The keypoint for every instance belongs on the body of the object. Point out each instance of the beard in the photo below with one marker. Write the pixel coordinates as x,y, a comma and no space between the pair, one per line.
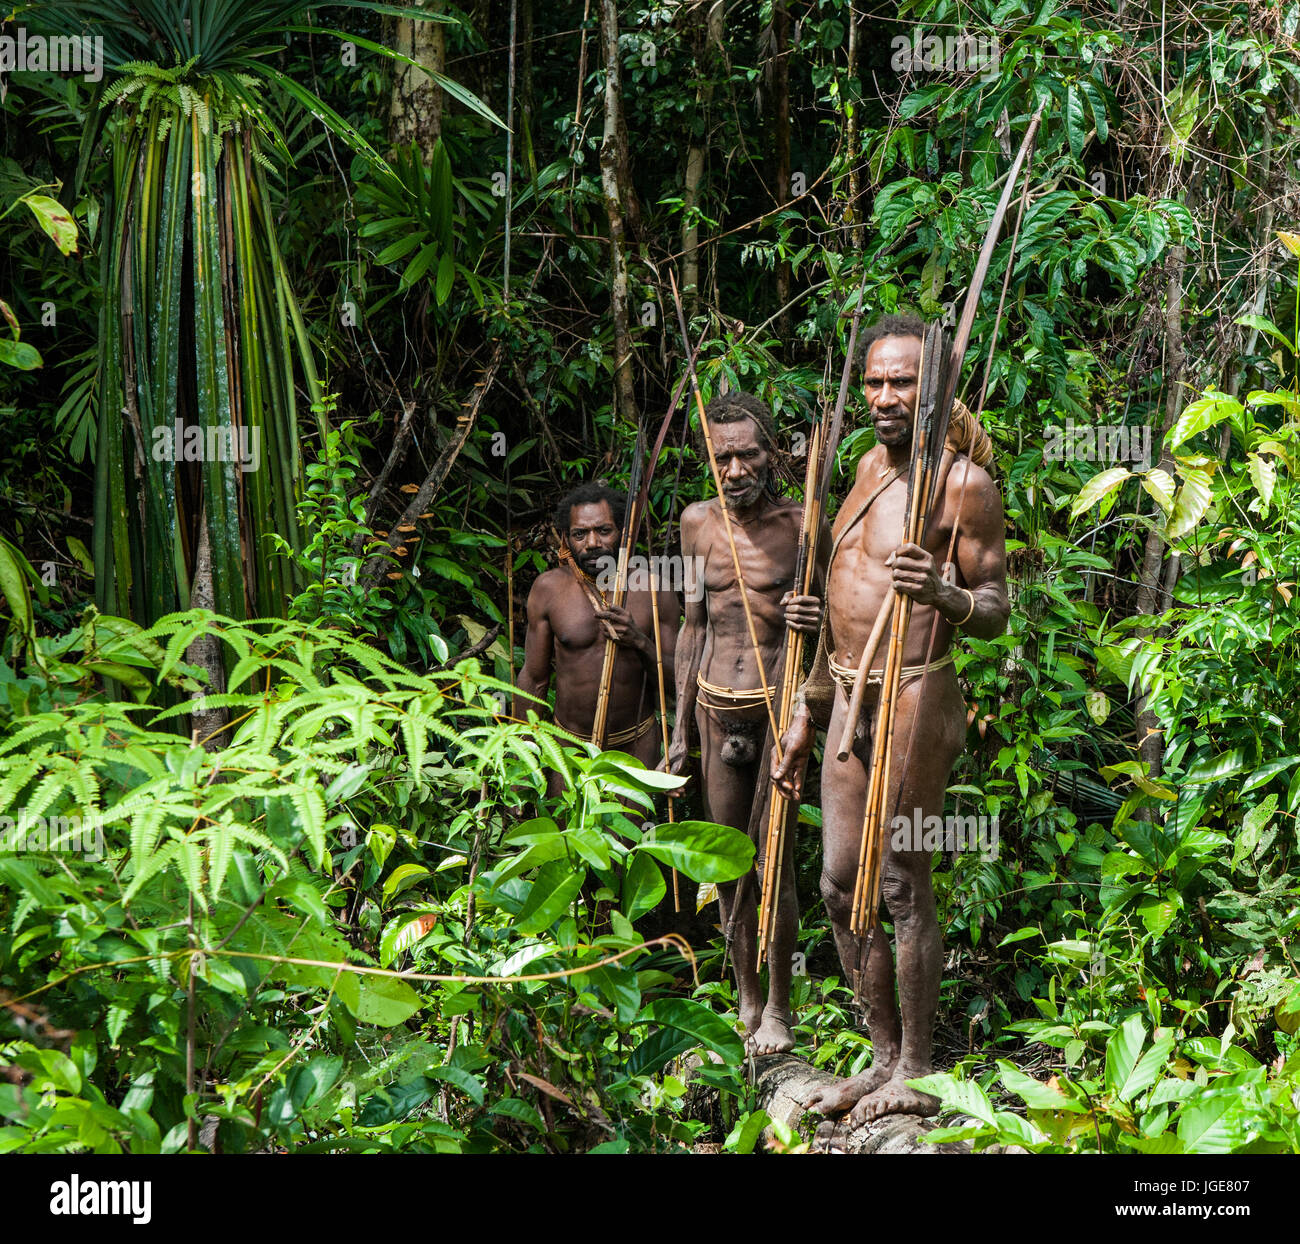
750,493
593,564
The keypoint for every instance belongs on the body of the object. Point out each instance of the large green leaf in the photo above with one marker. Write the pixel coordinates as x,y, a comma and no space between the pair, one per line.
700,849
699,1022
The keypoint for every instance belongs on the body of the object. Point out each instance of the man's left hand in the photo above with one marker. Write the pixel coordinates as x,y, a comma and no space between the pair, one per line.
802,613
622,630
916,575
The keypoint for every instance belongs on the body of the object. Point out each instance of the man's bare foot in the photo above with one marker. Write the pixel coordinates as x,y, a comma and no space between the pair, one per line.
833,1099
894,1097
771,1037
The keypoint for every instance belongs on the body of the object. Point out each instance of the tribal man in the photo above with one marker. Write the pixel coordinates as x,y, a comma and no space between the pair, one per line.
867,562
720,681
569,619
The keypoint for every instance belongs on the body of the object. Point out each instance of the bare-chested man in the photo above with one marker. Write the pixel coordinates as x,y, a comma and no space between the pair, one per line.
569,619
866,566
719,680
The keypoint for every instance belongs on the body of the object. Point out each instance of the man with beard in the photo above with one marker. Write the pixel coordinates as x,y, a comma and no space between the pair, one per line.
569,618
720,681
866,564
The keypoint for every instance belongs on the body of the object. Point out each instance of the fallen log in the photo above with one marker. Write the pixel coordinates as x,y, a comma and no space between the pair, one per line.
786,1083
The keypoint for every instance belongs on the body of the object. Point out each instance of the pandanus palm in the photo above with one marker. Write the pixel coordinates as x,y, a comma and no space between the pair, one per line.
203,347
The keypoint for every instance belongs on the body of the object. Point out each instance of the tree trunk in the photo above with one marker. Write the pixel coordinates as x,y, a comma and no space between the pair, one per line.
781,145
620,207
1150,598
784,1084
851,97
205,651
416,105
710,37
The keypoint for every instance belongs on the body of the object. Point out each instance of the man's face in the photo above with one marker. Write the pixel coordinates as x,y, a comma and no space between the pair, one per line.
593,535
889,380
742,462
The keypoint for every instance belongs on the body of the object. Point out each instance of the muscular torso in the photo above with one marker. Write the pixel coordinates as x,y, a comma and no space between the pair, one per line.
767,549
579,654
860,582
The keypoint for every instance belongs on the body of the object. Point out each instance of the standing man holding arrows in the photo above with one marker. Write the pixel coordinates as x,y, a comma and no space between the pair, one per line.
728,665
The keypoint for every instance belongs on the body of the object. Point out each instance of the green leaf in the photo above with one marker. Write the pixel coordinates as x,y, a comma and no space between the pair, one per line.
402,878
519,1110
1097,487
1263,474
458,1077
20,355
1160,485
643,887
963,1095
386,1001
1203,1126
1122,1050
55,219
1203,413
749,1127
1034,1093
702,850
556,885
699,1022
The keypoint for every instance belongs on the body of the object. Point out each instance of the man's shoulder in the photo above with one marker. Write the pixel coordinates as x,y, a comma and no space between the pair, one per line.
968,474
697,512
548,583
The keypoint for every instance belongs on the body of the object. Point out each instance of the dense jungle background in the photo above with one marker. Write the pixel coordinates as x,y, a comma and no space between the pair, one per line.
422,259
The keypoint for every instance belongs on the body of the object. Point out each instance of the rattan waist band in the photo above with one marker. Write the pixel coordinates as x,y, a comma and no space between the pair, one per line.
630,735
729,699
846,675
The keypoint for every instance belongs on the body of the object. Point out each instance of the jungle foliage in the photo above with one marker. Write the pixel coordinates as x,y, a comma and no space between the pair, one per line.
338,925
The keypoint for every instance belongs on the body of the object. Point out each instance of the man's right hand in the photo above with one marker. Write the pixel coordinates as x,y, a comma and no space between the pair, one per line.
679,756
796,746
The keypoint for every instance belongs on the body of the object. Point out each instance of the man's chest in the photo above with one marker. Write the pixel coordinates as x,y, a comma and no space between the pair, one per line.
767,560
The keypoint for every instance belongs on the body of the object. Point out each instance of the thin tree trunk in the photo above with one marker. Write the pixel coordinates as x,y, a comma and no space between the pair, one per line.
377,564
710,38
620,208
851,136
416,105
205,651
781,142
1150,741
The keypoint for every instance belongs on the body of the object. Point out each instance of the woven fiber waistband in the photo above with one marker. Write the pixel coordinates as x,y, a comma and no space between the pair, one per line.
728,698
630,735
846,675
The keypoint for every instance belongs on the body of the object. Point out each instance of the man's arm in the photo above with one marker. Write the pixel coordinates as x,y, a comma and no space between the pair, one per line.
670,625
539,651
688,654
981,558
982,608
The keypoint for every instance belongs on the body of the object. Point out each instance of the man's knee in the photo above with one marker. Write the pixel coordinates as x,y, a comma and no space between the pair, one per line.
907,896
838,899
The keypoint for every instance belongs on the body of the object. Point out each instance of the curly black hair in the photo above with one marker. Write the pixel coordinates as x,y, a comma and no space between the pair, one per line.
732,408
588,494
901,324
